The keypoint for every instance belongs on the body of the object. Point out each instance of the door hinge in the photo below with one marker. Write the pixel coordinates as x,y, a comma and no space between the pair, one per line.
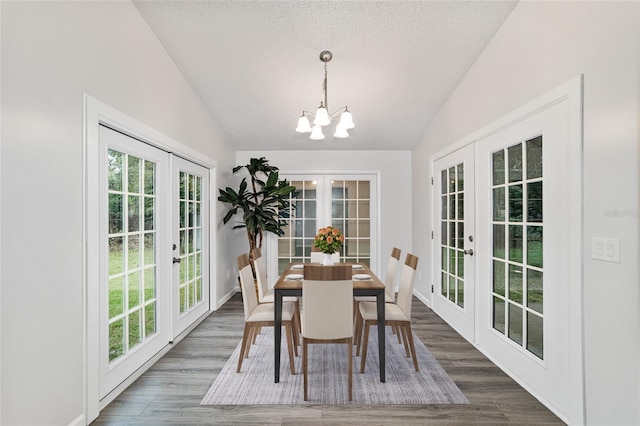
432,235
431,288
432,181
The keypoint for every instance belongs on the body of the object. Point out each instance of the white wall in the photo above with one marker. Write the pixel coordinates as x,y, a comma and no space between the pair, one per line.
51,53
540,46
395,185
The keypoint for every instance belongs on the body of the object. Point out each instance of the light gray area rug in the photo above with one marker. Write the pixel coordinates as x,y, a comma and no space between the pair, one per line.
328,377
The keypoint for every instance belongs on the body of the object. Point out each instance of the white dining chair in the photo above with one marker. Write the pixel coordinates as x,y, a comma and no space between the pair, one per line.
396,314
327,317
389,286
266,294
257,315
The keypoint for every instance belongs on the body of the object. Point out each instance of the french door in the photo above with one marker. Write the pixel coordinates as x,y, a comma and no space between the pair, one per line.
134,274
347,202
190,289
154,272
454,276
524,253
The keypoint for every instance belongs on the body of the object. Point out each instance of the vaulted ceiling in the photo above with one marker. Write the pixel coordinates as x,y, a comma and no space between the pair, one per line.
256,65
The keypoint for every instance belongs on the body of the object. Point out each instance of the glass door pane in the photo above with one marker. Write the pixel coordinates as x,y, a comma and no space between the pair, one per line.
131,252
517,244
452,234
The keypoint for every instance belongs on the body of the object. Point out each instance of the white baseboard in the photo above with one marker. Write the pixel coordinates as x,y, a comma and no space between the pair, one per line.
79,421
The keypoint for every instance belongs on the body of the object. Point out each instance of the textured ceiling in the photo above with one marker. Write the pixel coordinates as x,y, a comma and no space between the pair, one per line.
256,64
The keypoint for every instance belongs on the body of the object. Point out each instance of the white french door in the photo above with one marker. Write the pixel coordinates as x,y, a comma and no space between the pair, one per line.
134,274
454,275
345,201
190,199
523,254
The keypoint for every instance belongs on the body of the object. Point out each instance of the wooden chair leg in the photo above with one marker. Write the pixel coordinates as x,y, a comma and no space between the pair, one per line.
409,337
304,367
365,327
290,345
245,341
402,330
358,332
396,330
350,367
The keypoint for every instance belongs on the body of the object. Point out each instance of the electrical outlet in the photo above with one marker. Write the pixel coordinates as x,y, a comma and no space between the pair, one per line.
606,249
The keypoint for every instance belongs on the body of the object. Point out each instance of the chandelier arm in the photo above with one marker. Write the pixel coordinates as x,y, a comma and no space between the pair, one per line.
343,109
324,87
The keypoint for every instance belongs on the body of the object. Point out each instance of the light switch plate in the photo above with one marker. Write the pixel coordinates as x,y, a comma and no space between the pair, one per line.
607,249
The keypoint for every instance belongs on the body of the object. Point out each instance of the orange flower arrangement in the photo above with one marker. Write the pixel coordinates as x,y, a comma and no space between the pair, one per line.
328,240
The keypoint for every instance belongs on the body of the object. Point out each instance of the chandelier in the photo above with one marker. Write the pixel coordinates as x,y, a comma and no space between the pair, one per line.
322,116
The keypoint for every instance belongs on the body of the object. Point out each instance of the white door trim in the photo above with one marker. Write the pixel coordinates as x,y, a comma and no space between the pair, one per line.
95,113
572,93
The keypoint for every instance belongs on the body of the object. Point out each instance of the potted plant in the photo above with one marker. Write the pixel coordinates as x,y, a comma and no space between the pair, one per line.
264,207
328,240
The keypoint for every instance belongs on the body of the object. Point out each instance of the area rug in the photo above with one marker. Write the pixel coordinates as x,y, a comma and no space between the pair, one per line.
254,385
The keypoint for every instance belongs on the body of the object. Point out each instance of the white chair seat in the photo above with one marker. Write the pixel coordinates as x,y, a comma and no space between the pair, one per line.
269,297
392,312
263,312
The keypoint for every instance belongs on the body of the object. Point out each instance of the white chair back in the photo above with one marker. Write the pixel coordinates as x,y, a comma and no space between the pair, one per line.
261,276
327,300
249,298
392,272
405,290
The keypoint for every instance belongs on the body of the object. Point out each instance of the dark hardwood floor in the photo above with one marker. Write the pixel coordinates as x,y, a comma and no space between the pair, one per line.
170,392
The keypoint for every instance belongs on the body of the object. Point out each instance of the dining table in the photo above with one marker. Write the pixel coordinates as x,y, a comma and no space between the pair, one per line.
362,286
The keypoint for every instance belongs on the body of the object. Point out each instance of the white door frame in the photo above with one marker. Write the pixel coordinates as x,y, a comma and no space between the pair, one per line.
95,113
572,93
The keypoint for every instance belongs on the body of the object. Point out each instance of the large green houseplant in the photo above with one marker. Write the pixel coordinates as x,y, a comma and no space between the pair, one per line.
264,207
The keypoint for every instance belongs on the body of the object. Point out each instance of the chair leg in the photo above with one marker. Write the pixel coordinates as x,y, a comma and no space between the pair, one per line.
405,338
243,347
350,368
297,323
304,367
365,327
290,345
396,330
358,332
409,337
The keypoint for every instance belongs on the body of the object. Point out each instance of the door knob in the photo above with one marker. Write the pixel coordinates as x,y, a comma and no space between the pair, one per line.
469,252
177,259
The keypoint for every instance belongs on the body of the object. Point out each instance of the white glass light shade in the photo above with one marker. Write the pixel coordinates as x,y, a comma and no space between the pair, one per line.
341,131
316,133
322,117
303,125
347,120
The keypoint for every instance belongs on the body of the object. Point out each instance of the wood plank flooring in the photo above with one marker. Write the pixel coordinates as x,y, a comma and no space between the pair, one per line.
170,392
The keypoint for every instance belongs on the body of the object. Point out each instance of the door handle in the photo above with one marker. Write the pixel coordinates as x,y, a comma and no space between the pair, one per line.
177,259
469,252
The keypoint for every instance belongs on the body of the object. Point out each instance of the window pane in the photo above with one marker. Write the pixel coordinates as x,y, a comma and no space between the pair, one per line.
460,168
498,277
534,334
460,301
364,189
443,182
498,204
134,287
498,168
116,214
444,283
515,323
149,177
135,164
498,241
534,246
149,283
134,213
444,203
452,179
515,203
534,202
498,314
460,206
515,283
515,163
116,255
515,243
534,290
116,172
133,251
534,158
116,296
116,339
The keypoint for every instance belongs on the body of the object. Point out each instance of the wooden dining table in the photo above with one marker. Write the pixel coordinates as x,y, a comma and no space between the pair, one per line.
372,287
